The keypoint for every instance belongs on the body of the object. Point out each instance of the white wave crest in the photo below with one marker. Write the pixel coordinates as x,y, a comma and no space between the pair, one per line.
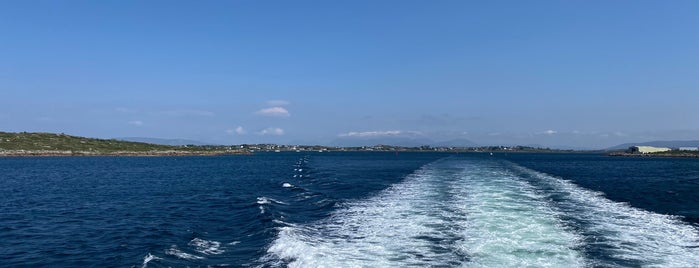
206,247
148,258
174,251
266,201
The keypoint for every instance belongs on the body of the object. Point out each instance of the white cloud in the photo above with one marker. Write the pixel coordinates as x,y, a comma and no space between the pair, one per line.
379,133
550,132
272,131
274,112
278,102
239,130
135,122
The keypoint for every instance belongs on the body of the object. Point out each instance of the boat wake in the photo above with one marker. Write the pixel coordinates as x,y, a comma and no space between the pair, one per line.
486,213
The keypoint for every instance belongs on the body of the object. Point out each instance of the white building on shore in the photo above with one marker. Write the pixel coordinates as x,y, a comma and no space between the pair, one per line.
647,149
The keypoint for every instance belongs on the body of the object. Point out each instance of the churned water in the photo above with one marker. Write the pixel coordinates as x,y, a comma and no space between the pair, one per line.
350,210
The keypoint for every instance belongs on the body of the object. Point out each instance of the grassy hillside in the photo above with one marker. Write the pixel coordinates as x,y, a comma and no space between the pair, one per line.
62,142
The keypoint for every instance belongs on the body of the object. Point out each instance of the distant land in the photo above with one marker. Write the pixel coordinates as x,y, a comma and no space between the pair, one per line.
668,144
171,142
50,144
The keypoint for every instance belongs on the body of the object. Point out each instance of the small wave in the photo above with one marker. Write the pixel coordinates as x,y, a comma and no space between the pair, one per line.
266,201
148,258
206,247
174,251
280,222
287,185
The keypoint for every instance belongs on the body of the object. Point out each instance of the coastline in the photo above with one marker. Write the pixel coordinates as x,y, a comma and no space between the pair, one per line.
47,153
664,155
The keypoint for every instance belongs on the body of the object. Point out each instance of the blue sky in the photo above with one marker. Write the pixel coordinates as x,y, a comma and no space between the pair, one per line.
555,73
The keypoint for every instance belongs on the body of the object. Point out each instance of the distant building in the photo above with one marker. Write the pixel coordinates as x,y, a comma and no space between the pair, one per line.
647,149
689,148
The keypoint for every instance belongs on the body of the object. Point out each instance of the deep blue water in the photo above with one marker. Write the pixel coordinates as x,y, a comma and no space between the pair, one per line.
350,209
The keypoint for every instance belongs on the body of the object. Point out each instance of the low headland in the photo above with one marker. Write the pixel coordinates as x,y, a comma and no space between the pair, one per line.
50,144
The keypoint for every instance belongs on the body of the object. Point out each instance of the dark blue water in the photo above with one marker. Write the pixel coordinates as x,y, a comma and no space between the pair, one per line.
349,209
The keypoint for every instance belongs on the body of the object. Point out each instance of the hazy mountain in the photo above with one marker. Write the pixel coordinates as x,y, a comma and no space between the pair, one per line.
172,142
371,141
669,144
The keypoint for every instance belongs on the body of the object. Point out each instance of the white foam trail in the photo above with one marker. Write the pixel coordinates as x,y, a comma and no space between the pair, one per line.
206,246
174,251
422,221
381,231
148,258
632,234
509,224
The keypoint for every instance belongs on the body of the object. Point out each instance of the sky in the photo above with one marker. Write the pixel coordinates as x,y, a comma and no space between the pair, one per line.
578,74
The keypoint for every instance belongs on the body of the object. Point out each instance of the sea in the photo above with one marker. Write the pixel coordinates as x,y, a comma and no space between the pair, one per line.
350,209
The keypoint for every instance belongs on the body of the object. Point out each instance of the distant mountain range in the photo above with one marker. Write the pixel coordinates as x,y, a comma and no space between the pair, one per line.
171,142
669,144
399,141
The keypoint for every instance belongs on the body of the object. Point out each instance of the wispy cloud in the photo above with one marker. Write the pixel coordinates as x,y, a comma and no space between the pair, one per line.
271,131
274,112
278,102
239,130
379,133
135,123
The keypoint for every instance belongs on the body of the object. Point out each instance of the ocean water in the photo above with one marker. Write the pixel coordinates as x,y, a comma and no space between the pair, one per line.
350,210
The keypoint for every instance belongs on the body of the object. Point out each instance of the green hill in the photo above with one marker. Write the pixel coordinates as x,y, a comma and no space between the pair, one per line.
40,143
62,142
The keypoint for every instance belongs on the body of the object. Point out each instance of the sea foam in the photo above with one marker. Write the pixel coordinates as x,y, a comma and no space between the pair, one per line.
433,219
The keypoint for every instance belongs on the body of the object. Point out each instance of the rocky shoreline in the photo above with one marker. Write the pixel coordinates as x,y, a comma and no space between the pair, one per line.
31,153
